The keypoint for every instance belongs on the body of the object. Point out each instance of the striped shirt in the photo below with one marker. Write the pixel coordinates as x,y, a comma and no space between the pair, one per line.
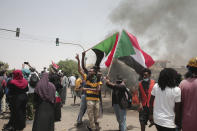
92,84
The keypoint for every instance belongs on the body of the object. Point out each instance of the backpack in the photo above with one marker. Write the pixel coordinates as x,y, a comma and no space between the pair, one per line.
126,100
33,80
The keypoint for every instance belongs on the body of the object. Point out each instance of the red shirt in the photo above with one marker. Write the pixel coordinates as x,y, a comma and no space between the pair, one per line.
189,104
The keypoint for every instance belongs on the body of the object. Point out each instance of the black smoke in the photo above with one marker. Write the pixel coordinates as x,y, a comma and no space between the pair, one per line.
165,29
128,74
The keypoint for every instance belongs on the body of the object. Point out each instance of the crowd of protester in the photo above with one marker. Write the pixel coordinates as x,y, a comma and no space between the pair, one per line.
168,104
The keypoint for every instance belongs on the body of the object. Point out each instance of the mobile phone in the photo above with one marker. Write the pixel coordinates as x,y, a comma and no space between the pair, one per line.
26,63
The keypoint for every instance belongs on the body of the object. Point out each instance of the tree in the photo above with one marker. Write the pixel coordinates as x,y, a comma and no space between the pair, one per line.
3,66
69,67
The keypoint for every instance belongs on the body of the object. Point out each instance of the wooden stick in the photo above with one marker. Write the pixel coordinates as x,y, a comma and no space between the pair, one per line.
112,60
110,67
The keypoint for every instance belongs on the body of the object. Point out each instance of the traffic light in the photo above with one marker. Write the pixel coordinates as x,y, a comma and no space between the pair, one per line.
57,41
17,32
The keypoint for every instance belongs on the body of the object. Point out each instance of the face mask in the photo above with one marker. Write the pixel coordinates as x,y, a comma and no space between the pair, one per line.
146,79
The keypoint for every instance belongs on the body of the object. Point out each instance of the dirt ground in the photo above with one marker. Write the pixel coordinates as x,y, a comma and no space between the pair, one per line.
107,122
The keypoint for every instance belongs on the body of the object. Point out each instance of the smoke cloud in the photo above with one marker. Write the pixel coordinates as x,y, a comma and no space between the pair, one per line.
165,29
128,74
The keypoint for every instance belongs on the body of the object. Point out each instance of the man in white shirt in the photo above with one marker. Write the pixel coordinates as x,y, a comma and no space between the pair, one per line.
167,98
72,80
64,83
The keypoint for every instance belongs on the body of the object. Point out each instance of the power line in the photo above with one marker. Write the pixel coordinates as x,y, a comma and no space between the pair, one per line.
36,37
26,40
27,37
33,38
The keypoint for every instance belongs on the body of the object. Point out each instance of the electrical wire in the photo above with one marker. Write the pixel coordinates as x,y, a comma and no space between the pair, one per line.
27,40
36,38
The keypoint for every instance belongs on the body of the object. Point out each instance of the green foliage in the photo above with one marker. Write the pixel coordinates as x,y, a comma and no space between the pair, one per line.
69,67
3,66
8,72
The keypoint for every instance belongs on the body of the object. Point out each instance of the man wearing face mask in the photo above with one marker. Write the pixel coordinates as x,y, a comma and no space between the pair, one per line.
145,88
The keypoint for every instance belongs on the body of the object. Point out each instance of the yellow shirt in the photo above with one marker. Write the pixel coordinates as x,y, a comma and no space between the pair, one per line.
78,84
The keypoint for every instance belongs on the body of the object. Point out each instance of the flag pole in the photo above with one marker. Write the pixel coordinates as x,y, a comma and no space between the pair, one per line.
113,57
98,43
110,67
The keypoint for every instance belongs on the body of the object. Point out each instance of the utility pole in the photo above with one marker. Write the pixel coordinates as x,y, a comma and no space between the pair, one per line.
58,42
17,31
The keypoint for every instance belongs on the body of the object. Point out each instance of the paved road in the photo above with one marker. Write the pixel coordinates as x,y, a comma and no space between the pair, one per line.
107,122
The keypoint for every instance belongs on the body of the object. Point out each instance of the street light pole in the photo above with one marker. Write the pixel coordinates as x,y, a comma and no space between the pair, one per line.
57,43
76,45
73,44
7,30
17,31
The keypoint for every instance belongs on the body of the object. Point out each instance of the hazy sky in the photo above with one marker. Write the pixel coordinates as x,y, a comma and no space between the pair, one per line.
165,29
83,22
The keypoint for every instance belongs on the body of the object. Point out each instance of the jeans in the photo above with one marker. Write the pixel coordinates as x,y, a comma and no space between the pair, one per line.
120,116
83,107
72,90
